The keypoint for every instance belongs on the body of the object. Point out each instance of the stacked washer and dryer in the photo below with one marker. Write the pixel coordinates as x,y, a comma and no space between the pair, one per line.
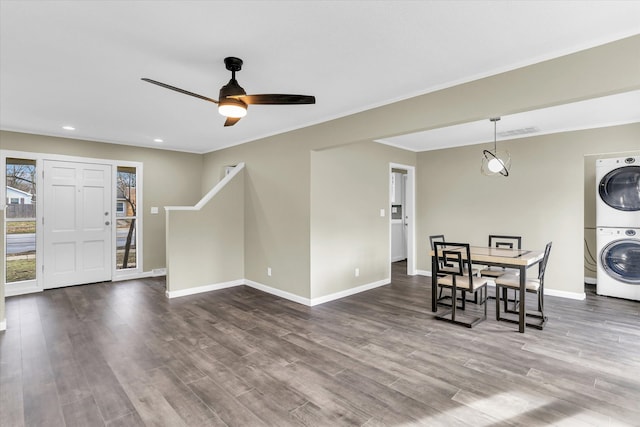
618,227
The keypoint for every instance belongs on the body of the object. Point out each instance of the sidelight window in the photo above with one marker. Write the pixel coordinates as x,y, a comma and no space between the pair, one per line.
127,215
20,223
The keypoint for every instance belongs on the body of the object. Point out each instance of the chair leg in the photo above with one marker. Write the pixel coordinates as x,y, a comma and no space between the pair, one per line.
505,296
450,316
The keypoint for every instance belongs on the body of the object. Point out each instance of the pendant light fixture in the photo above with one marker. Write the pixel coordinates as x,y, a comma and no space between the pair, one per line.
495,162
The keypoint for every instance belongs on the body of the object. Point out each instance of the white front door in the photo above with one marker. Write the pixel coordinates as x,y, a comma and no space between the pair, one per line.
77,223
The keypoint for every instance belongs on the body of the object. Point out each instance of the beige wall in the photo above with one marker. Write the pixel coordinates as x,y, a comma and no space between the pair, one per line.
349,186
542,199
206,247
170,178
276,199
278,174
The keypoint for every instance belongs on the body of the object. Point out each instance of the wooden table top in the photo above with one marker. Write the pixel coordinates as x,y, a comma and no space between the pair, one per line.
515,257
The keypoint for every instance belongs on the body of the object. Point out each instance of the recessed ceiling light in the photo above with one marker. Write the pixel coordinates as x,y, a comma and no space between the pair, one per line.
68,128
158,140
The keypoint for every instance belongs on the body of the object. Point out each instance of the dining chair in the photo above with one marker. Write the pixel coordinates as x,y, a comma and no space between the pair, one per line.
454,272
511,281
475,269
508,242
493,272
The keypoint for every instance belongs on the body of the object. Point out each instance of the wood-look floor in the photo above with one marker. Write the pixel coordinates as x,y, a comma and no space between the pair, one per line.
121,354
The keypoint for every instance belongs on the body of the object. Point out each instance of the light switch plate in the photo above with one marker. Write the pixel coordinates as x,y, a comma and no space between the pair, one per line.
154,210
382,212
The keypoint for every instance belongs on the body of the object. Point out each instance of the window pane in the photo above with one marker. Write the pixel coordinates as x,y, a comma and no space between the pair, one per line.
20,224
126,244
126,192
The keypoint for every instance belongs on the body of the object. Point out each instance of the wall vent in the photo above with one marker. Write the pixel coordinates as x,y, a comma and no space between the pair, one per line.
518,132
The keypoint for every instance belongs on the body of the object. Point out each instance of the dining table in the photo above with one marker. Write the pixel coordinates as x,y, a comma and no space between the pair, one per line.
520,259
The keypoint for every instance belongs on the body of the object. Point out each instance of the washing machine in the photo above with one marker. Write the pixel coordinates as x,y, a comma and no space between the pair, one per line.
618,192
618,262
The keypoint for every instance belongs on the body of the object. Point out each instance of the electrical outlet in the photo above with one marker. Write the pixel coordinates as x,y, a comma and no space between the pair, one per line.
268,271
357,272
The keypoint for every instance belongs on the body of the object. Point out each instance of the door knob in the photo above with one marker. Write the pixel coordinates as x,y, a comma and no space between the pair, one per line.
107,223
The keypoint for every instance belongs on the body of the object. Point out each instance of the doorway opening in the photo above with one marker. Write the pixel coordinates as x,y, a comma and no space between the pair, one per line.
402,215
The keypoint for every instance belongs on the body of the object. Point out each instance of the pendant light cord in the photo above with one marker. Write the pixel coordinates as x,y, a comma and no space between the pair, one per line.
495,137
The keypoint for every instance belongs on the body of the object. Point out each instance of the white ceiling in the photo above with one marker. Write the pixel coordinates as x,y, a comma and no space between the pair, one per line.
80,63
594,113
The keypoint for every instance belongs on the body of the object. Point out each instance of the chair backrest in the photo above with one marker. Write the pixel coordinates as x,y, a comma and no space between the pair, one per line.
543,263
435,238
511,242
452,258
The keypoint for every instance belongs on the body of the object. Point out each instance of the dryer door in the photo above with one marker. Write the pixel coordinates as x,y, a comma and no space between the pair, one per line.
621,260
620,188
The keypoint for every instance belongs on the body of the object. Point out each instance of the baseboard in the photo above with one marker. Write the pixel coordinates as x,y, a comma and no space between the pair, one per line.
565,294
348,292
204,288
158,272
590,281
423,273
3,325
277,292
132,276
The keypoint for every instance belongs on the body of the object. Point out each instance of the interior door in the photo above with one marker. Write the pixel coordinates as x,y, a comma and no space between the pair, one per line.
77,223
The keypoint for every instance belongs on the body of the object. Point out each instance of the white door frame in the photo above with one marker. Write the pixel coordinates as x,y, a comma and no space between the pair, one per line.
37,285
409,213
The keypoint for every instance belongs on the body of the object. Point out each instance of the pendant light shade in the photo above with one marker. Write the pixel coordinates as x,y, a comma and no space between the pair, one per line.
495,162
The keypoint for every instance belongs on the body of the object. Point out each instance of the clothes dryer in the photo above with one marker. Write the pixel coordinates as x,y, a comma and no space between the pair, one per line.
618,262
618,192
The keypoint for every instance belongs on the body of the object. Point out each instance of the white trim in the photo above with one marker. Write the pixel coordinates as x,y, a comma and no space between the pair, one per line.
590,281
277,292
565,294
207,197
132,275
21,288
3,325
423,273
205,288
349,292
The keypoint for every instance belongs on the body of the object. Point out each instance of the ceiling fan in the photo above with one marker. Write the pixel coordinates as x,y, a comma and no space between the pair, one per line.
234,101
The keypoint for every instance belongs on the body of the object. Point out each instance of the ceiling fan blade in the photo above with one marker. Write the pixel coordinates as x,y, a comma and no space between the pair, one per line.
177,89
231,121
276,99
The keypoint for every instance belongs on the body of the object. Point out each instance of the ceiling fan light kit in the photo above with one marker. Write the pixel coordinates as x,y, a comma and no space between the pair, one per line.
496,162
234,101
232,108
